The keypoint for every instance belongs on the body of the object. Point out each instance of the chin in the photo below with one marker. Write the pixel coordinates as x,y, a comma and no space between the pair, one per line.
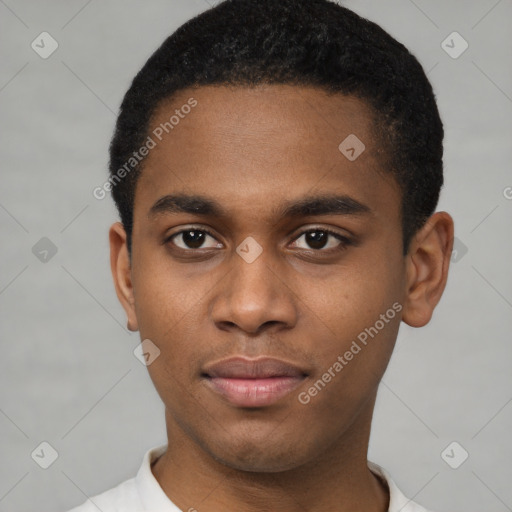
260,457
258,464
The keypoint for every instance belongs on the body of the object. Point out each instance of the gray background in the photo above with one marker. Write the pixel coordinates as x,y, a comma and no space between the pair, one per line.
69,376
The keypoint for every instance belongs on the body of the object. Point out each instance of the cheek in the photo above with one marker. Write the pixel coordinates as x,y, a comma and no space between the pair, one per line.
361,307
165,300
351,359
167,314
358,295
169,318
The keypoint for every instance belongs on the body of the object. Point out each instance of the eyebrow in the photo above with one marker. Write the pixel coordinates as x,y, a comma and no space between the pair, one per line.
304,207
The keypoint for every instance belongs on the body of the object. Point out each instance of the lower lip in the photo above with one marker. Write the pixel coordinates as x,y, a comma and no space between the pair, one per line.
254,392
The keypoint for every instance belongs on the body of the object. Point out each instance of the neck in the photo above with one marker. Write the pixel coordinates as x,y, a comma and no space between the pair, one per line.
337,480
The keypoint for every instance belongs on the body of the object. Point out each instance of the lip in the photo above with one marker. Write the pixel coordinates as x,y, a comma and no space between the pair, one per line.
257,382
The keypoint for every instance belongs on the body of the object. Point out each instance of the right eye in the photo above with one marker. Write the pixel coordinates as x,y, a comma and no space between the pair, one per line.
193,238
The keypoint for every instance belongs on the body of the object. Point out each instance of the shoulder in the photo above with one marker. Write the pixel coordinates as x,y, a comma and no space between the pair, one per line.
123,497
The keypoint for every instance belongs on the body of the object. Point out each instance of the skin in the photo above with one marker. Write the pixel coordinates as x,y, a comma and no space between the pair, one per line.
251,150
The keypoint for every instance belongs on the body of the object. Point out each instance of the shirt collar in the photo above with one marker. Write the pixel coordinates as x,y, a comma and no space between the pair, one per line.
152,496
397,501
154,499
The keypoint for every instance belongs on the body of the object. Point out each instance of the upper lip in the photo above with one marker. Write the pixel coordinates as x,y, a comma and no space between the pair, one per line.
246,368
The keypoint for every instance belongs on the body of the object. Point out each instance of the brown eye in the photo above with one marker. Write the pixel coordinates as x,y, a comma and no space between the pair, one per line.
190,239
318,239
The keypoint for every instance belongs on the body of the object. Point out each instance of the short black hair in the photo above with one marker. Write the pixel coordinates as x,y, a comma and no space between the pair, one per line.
304,43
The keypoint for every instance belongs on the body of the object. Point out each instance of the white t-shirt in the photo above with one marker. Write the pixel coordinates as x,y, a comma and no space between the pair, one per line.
144,494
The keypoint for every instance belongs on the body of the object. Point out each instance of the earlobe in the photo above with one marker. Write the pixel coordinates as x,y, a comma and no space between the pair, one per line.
427,263
121,273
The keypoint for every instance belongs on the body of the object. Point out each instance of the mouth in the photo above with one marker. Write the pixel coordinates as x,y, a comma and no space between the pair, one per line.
252,383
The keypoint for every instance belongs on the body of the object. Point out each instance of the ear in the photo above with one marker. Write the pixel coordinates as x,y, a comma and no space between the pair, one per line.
427,264
121,272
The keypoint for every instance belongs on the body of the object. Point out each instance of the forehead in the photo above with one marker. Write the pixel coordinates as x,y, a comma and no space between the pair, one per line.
252,144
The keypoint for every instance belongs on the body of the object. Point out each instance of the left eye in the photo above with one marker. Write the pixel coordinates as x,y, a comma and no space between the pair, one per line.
322,239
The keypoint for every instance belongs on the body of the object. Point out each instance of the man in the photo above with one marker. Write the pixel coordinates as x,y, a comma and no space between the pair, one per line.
276,165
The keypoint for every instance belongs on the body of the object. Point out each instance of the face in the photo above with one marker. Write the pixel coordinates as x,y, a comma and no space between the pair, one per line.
256,238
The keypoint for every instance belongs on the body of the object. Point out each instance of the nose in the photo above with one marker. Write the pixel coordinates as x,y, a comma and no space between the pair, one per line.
253,297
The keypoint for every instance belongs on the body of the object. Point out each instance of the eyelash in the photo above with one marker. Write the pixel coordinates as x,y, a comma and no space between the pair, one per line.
344,240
